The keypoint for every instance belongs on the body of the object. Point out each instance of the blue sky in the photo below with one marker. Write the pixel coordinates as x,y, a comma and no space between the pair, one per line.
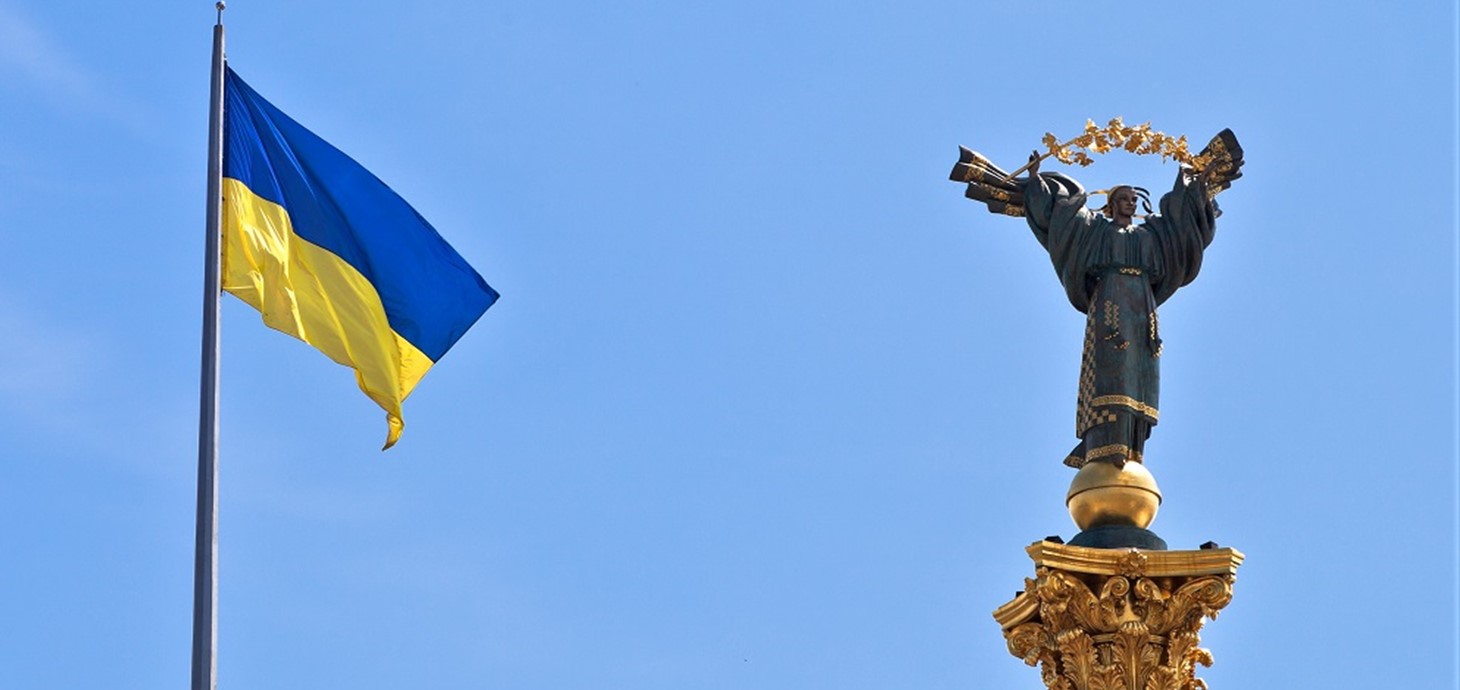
765,403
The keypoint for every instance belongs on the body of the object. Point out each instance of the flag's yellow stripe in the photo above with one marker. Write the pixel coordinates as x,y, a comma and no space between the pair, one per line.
313,295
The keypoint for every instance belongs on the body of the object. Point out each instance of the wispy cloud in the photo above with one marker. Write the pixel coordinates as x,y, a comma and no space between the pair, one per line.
31,58
51,365
61,387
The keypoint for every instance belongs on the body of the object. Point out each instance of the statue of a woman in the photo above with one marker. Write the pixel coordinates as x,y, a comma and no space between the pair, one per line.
1117,271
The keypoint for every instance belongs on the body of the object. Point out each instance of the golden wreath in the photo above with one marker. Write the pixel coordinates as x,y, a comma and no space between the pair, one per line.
1140,140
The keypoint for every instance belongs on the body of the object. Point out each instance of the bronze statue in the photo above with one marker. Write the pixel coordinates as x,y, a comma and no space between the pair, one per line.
1116,268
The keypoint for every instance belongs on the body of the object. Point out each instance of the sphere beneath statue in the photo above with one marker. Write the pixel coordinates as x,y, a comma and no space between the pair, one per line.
1103,495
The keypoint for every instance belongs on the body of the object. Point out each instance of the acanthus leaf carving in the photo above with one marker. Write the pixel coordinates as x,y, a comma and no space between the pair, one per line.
1137,633
1200,598
1028,642
1077,656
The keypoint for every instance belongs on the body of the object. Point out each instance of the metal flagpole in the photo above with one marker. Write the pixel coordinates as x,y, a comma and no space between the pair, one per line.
205,551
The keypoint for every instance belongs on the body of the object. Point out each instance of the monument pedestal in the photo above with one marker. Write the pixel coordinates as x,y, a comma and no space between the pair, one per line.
1117,619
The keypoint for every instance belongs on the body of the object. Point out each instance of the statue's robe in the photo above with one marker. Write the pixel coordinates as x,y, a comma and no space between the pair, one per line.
1117,276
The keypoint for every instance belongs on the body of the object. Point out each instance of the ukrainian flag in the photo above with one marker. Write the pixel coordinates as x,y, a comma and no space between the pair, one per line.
330,255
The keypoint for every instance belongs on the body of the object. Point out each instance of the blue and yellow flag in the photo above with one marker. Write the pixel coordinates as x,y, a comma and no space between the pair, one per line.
330,255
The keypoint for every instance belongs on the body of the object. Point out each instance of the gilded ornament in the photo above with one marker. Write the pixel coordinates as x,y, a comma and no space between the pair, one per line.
1100,619
1102,494
1126,401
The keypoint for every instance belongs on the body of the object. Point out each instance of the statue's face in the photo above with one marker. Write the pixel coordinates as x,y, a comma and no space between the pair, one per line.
1124,202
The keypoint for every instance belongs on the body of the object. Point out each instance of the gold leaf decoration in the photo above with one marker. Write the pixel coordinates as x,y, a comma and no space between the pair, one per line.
1140,140
1123,621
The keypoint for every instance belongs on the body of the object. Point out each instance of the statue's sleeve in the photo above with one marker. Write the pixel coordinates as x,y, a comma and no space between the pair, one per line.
1187,224
1054,206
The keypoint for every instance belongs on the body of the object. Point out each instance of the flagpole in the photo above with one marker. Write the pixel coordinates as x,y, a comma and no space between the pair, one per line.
205,551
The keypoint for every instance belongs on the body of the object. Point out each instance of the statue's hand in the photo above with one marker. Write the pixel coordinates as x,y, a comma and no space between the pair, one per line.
1186,176
1034,163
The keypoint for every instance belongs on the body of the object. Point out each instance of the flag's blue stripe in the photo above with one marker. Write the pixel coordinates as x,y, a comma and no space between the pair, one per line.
338,205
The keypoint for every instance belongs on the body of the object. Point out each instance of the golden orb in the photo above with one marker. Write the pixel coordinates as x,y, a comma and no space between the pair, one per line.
1103,494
